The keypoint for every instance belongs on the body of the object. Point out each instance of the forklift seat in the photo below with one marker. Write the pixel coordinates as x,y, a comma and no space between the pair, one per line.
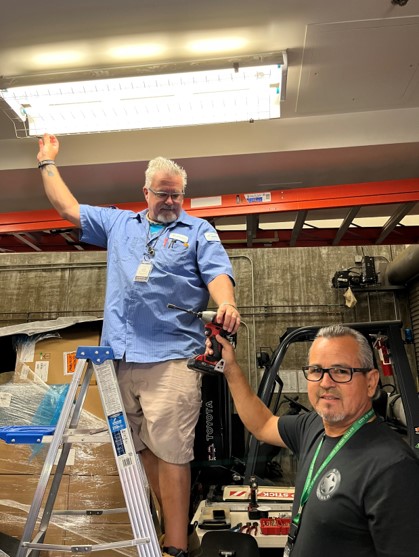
224,543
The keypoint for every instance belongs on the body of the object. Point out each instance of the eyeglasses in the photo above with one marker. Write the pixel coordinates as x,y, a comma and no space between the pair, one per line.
164,196
337,374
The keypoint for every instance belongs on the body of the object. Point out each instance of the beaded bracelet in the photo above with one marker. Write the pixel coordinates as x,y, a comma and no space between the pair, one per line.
41,164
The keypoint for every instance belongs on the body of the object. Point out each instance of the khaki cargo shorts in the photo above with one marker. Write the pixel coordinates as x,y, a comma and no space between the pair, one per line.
162,402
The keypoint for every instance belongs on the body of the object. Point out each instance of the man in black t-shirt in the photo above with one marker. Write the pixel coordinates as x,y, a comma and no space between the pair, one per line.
357,486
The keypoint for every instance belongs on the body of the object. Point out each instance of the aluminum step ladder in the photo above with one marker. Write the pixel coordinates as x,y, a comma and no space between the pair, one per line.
98,361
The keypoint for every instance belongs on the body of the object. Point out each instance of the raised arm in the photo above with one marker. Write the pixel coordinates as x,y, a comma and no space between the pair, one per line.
57,191
254,414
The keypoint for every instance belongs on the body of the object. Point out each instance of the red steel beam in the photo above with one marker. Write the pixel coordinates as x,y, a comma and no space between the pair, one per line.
323,197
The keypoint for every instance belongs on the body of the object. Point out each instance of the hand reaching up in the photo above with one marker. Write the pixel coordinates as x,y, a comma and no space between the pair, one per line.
48,147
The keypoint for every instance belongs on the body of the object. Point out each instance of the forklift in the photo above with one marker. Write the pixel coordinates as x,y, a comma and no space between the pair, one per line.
221,455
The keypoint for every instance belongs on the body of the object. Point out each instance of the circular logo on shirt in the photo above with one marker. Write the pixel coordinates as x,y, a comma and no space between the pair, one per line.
328,484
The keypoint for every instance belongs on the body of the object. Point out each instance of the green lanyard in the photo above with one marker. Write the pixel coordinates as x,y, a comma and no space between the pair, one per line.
309,483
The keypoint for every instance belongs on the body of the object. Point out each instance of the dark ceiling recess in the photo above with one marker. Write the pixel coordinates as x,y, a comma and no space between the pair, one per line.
46,242
67,239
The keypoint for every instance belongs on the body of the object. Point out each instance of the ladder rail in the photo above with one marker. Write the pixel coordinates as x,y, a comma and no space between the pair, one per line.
132,474
75,414
50,459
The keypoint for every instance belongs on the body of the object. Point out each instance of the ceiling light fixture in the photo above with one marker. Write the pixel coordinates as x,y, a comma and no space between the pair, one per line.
238,90
217,44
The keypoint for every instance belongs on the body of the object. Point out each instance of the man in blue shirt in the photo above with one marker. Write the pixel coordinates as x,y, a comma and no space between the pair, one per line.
161,255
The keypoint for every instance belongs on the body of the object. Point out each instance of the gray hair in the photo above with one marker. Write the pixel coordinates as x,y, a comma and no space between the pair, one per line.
160,164
365,352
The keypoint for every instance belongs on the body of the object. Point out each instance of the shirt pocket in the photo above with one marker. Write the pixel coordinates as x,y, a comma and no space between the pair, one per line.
173,254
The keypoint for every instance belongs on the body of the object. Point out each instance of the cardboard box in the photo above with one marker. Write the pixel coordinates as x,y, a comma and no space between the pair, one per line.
21,459
13,525
93,404
98,492
50,357
16,495
93,460
74,493
84,459
20,490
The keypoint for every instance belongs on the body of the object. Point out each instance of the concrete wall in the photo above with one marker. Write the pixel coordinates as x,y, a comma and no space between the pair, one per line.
276,289
282,288
47,285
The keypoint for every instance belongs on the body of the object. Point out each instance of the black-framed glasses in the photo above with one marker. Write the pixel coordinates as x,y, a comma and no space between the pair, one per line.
339,374
164,196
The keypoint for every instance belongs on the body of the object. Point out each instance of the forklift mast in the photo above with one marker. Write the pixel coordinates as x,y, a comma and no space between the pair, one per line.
402,372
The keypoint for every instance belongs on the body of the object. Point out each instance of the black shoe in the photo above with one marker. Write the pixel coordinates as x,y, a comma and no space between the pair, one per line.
174,552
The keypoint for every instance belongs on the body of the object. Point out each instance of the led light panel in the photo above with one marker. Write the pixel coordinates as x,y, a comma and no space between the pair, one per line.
144,102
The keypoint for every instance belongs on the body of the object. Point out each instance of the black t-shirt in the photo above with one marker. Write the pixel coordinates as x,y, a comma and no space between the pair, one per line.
365,503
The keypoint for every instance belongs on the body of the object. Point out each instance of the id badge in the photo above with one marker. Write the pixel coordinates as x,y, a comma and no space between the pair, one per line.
142,274
292,536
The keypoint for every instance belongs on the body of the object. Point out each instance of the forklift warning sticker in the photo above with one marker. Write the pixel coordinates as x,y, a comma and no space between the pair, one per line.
258,197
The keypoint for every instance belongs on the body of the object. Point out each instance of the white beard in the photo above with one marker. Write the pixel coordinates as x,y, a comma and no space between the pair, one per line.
167,218
331,418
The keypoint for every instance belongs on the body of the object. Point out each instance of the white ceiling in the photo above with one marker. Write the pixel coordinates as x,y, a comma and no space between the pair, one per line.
351,114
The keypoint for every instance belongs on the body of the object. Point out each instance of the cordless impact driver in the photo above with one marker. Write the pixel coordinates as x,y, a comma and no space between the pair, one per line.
212,364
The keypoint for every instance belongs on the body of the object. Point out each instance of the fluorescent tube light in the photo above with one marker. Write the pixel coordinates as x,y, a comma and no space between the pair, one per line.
236,94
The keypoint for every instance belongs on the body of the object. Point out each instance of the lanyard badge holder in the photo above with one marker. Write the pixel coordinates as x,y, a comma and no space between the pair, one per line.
292,536
146,266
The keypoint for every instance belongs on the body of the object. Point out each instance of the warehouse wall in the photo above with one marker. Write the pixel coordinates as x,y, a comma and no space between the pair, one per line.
46,285
276,289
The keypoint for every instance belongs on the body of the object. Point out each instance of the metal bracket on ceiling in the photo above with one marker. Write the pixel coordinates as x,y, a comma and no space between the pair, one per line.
252,222
28,240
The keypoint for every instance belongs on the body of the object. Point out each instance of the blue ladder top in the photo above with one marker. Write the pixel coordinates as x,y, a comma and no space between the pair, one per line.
33,434
25,434
97,354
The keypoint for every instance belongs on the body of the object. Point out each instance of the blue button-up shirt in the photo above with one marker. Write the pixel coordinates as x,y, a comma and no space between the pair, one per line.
187,256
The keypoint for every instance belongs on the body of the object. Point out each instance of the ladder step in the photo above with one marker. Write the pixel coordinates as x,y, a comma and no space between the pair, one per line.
88,548
89,512
34,435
